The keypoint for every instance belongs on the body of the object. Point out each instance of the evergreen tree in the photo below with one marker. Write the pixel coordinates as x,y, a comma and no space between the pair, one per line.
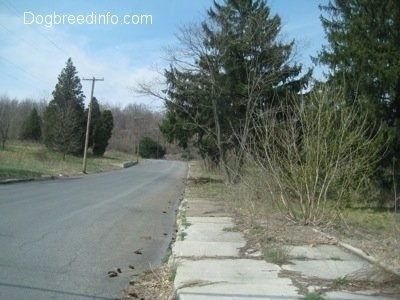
363,55
31,127
63,120
149,148
102,132
94,120
238,68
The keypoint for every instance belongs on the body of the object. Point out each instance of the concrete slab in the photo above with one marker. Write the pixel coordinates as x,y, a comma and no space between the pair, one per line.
272,291
231,279
226,221
209,232
365,295
206,249
327,252
205,207
325,269
212,230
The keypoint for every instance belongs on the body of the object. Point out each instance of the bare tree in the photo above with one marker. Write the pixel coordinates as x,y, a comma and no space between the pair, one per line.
131,123
8,109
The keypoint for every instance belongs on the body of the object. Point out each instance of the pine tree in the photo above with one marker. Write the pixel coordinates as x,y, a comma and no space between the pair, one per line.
94,120
149,148
31,128
363,56
102,132
238,68
63,121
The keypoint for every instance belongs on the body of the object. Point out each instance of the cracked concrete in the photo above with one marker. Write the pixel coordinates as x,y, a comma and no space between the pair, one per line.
212,264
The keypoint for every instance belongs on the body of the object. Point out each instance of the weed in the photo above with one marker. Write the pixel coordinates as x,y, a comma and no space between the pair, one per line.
256,231
182,235
337,258
167,255
341,282
172,274
276,255
230,229
313,296
269,239
184,220
301,257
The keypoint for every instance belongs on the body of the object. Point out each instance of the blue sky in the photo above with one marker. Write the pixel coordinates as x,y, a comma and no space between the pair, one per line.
32,55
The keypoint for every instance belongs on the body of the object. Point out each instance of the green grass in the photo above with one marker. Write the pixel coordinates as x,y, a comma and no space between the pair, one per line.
336,258
276,255
31,160
8,173
182,236
375,220
230,229
185,222
313,296
341,282
167,255
172,274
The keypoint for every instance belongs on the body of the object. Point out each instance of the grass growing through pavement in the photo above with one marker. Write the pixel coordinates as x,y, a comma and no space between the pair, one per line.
341,282
277,255
32,160
172,274
313,296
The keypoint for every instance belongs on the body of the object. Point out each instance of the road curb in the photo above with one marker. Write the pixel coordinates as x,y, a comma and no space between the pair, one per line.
15,180
128,164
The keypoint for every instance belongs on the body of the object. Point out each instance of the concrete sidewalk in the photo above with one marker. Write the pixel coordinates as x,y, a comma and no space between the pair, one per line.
210,264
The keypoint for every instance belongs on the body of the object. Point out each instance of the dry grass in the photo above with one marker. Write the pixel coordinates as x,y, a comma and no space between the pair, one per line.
203,182
377,232
22,159
157,284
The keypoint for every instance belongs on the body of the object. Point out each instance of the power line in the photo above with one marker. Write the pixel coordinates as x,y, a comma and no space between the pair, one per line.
32,76
17,13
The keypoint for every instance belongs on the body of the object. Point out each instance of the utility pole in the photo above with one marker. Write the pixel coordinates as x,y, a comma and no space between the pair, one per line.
88,122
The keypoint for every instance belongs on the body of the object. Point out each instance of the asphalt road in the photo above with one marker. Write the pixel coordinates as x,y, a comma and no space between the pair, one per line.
59,238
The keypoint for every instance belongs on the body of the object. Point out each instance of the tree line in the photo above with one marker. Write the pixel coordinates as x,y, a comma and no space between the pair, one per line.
235,91
61,123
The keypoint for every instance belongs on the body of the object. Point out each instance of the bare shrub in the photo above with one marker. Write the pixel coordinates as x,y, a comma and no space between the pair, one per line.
251,198
315,153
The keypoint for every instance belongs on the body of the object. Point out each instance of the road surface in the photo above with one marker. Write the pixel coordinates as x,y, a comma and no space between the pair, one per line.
59,238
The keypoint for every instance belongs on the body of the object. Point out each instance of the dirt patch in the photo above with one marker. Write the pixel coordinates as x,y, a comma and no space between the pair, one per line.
156,284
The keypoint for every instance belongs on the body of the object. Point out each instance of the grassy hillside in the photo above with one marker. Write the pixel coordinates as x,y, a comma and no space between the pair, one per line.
31,160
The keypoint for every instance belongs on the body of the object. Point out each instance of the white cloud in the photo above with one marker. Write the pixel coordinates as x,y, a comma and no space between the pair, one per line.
33,58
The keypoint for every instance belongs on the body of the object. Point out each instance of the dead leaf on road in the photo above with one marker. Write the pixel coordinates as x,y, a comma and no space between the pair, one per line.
138,251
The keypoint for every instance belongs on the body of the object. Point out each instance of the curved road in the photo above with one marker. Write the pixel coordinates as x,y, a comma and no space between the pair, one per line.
59,238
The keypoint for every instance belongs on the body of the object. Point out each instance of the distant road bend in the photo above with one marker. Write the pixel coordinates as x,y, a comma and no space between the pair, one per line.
59,238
